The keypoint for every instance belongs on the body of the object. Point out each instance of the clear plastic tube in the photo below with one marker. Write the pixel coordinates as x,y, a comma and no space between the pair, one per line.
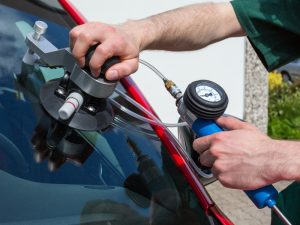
153,68
143,109
154,120
135,115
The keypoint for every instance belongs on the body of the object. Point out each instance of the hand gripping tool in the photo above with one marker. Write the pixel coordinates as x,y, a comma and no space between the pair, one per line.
202,103
77,99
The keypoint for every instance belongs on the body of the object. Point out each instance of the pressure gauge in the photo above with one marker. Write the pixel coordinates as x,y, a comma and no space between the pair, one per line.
205,99
208,93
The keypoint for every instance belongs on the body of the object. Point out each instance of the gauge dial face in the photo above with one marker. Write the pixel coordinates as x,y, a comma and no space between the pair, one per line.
208,93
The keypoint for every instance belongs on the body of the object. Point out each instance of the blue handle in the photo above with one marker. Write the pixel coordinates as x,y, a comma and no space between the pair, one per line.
262,197
205,127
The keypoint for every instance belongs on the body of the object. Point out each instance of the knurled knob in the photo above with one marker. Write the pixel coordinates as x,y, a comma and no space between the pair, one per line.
39,28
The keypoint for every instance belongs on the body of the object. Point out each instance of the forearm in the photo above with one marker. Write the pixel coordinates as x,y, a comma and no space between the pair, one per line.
187,28
286,160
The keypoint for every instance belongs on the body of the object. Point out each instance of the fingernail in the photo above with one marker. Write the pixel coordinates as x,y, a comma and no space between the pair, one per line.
112,75
81,62
95,73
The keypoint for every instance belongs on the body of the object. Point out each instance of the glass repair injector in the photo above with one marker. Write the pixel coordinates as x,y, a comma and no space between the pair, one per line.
201,104
76,99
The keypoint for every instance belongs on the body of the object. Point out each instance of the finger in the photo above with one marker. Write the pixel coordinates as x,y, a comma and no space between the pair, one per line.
84,41
202,144
73,35
215,171
232,123
103,52
226,180
207,159
122,69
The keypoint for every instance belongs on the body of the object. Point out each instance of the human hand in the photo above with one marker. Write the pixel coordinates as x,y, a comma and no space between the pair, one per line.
242,157
113,41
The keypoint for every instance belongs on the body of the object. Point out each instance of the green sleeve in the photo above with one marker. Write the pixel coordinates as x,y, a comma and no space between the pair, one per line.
272,27
289,204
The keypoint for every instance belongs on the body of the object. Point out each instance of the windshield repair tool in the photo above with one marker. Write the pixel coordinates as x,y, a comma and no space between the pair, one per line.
77,100
202,103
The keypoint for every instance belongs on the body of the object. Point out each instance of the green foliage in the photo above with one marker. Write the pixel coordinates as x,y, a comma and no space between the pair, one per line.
284,112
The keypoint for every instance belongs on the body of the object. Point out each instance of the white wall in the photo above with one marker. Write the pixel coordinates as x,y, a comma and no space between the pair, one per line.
222,62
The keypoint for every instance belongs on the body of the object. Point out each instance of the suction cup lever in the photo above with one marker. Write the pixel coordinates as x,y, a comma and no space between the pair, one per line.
107,64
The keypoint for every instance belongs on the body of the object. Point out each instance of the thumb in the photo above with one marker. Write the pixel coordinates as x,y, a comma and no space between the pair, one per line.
122,69
232,123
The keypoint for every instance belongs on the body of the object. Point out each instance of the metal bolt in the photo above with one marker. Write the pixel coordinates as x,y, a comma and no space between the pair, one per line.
39,28
60,91
66,76
91,108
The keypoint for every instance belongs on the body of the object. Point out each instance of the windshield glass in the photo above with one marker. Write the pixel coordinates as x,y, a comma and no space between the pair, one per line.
51,174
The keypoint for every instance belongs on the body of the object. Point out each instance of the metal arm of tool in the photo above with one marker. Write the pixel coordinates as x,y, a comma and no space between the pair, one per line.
77,99
45,52
49,54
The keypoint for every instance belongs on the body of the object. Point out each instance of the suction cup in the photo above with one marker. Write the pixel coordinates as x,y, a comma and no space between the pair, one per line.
81,120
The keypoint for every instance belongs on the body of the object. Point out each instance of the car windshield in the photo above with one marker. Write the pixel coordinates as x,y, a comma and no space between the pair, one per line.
119,175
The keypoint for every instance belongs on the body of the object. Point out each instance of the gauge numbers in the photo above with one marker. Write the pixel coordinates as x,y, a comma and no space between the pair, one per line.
208,93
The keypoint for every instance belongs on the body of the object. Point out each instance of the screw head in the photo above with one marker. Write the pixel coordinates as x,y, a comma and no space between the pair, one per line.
66,76
60,91
91,108
39,28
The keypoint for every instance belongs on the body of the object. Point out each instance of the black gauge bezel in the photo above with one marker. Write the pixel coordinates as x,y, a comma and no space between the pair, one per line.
201,107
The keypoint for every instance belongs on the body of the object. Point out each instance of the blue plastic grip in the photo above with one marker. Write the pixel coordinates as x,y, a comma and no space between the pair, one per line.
203,127
262,197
